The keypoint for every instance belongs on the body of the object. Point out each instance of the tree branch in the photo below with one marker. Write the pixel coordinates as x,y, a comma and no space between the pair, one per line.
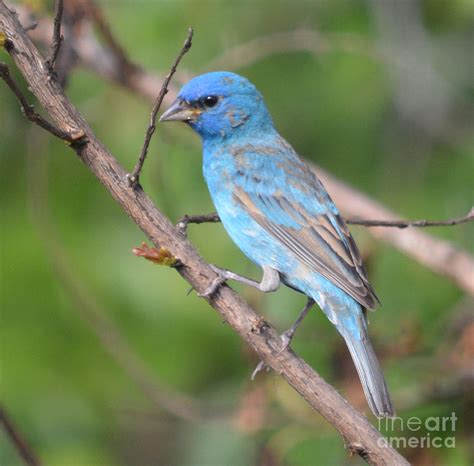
360,436
135,175
184,221
469,217
24,450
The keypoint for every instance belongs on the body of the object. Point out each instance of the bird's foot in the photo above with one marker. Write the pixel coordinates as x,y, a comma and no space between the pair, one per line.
221,278
286,338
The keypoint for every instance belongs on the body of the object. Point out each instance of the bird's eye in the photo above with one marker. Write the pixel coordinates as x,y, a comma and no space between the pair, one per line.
210,101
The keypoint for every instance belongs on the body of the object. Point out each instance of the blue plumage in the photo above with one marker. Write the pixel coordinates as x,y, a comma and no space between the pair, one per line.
279,214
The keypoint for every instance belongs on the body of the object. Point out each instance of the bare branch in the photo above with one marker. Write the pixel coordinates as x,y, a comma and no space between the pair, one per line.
28,110
135,175
469,217
57,36
184,221
360,436
27,454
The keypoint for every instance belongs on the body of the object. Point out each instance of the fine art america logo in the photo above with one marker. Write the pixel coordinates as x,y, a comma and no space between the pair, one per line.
414,432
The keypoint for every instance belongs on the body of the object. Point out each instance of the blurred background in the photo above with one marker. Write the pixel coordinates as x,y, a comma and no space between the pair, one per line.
105,359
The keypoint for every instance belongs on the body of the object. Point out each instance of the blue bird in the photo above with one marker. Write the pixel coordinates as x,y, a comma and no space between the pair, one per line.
280,215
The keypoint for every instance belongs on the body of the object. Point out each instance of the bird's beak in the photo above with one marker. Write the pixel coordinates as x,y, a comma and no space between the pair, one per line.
180,111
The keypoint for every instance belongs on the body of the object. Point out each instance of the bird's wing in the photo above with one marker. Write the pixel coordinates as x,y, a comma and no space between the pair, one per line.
292,205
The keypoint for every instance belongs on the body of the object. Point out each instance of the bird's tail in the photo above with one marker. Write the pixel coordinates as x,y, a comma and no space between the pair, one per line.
370,373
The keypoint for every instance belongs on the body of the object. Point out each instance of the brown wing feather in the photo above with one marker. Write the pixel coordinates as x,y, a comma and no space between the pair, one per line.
317,244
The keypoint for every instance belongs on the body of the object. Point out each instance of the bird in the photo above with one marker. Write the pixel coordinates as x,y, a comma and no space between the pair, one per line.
277,211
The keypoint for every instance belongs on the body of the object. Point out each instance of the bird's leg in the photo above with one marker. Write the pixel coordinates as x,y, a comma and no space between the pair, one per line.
185,220
288,335
270,280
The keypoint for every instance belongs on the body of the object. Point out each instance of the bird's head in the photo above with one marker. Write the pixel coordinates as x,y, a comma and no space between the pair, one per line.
219,104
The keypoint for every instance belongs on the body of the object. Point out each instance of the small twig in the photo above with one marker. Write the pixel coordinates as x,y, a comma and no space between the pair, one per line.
57,36
184,221
469,217
135,175
28,110
22,447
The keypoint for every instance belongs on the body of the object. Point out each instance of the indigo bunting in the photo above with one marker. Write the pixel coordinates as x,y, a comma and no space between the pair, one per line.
280,215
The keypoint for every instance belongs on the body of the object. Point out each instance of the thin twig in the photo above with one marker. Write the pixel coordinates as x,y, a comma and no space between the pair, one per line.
469,217
185,220
28,110
57,36
24,450
133,178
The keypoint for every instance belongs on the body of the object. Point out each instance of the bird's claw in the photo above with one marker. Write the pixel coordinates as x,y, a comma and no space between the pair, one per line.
285,338
212,288
222,277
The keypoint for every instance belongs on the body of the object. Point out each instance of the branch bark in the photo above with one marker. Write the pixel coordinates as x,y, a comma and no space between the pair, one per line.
361,437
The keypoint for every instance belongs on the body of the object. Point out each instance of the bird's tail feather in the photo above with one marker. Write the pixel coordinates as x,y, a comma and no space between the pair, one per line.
370,374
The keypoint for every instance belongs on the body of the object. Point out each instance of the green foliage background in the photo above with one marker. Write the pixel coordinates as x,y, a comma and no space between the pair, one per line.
67,394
